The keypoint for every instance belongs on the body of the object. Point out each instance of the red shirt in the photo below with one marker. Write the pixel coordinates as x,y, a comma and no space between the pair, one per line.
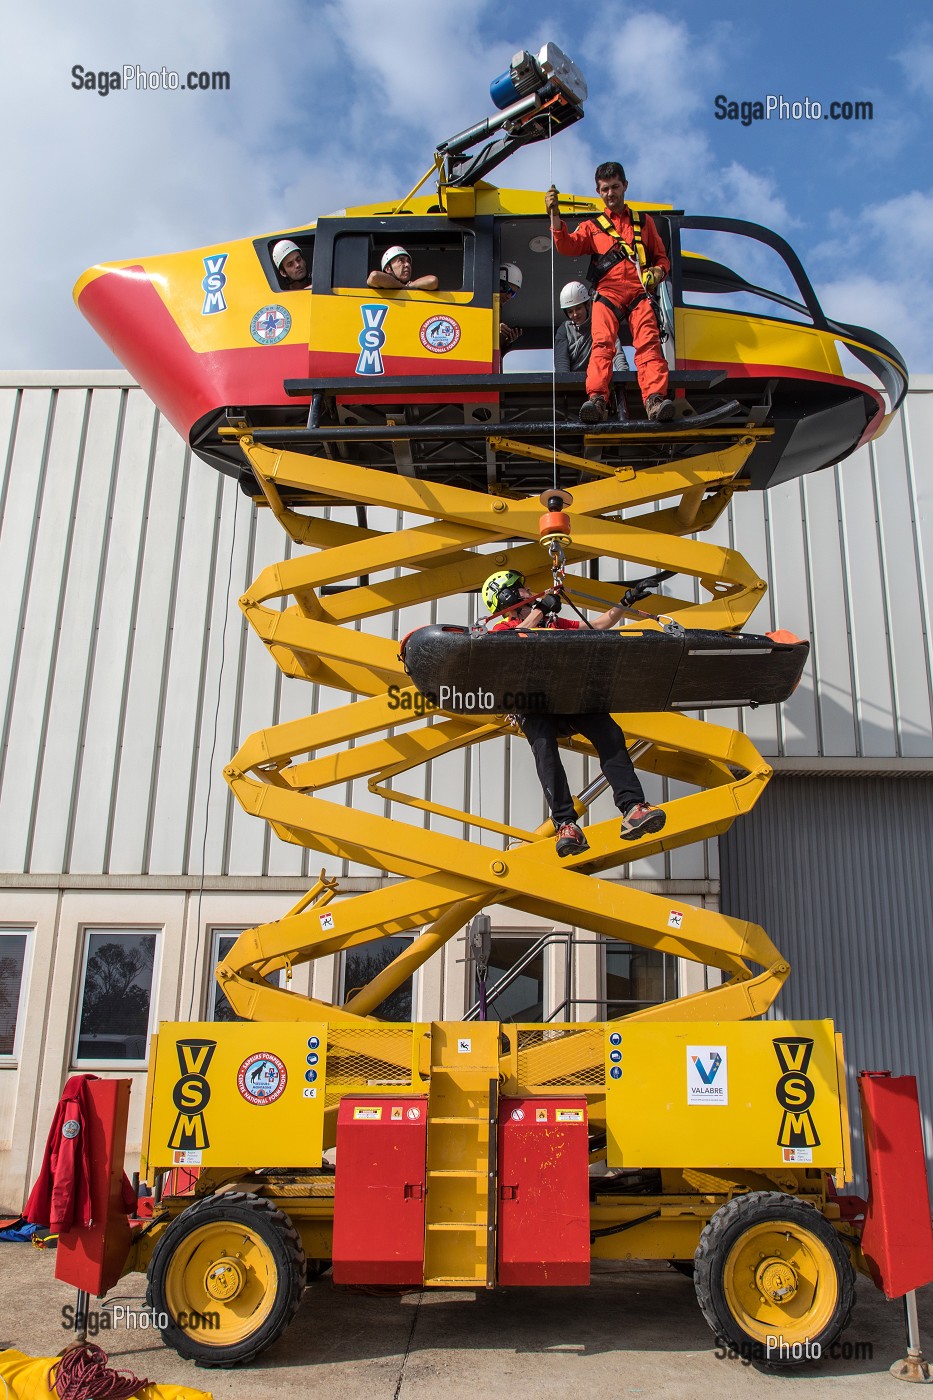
561,622
623,281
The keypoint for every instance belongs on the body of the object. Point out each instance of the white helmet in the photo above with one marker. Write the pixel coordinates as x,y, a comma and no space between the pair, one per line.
282,249
392,253
511,273
574,294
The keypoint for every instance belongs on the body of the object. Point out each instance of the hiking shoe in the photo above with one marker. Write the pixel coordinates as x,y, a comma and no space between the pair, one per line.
594,410
642,820
570,840
658,409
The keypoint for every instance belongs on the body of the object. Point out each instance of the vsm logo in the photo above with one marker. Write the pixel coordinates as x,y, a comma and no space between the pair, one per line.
371,339
213,284
191,1094
795,1092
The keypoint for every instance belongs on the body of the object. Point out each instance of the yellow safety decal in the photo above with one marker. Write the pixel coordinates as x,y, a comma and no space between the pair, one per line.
568,1115
367,1114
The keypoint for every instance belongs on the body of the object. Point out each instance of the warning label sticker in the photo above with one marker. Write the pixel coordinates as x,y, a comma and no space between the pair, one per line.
569,1115
367,1114
189,1158
797,1155
540,1115
396,1112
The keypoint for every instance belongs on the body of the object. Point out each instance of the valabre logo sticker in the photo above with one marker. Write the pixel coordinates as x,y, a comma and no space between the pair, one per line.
707,1074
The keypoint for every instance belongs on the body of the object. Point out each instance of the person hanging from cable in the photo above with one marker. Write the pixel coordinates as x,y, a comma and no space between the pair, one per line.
628,264
506,589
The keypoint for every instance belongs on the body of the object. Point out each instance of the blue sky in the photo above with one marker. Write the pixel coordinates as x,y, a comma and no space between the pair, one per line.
336,103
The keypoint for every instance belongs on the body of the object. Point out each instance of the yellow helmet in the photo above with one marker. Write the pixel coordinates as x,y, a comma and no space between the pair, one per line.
501,590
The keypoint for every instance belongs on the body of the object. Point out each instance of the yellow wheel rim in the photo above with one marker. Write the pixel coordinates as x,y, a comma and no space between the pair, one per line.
780,1280
220,1283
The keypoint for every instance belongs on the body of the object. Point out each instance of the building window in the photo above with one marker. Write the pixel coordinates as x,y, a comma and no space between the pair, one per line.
522,998
218,1007
115,1009
12,980
362,964
637,977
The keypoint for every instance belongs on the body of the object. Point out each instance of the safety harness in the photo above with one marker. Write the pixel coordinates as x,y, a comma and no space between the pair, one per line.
602,263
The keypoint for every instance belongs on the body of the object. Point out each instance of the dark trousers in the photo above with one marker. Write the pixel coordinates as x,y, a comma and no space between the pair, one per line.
604,734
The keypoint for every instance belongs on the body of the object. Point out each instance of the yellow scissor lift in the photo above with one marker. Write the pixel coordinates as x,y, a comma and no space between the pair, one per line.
716,1182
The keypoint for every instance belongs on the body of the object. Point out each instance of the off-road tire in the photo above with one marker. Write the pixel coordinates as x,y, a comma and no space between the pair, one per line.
283,1242
712,1259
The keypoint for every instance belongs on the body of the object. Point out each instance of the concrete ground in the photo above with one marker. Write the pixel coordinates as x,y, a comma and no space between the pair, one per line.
636,1331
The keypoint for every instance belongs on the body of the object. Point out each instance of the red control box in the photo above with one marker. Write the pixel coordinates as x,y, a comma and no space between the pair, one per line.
379,1190
544,1193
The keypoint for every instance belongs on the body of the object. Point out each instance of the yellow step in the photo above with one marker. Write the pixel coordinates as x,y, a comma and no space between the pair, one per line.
484,1121
457,1171
460,1225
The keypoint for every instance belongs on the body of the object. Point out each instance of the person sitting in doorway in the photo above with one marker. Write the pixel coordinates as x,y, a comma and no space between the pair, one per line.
291,265
396,274
510,284
574,339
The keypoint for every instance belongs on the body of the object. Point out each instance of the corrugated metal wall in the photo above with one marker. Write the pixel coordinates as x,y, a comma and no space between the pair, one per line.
132,676
131,673
839,870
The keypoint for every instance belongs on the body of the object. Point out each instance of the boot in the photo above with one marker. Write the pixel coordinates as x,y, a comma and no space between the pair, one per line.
658,409
594,410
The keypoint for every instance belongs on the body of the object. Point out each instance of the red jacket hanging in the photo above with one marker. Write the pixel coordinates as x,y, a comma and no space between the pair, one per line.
61,1196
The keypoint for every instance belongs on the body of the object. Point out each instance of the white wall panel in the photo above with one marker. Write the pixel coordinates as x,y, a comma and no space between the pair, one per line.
23,489
155,605
830,657
797,719
910,646
41,608
867,621
178,752
207,818
111,655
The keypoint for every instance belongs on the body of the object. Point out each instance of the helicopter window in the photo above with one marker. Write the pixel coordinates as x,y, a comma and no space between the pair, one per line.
356,255
305,245
726,271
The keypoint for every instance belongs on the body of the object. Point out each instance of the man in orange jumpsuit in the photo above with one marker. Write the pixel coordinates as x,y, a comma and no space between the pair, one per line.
624,274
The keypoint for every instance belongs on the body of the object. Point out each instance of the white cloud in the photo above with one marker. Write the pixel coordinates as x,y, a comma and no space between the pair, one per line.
901,311
869,283
917,63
